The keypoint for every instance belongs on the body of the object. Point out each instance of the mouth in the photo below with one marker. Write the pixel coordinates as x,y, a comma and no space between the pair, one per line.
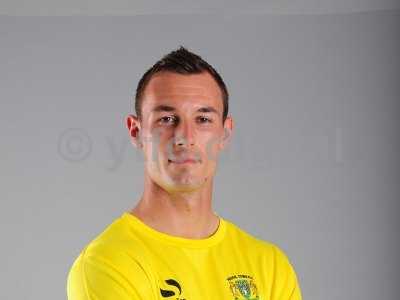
185,161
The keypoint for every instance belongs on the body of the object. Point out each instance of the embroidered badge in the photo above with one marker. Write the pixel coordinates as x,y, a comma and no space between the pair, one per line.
243,287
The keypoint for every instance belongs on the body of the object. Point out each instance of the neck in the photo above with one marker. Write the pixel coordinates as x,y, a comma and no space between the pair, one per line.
187,215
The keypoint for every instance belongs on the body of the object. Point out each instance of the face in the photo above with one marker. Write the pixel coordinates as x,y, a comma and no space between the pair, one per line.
181,130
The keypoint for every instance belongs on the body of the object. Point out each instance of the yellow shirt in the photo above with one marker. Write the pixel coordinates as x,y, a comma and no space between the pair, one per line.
130,260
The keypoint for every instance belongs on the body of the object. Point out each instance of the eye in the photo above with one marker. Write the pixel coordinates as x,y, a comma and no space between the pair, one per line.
167,119
203,119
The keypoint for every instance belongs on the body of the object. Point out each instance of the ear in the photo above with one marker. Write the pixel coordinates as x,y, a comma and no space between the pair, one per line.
134,128
228,130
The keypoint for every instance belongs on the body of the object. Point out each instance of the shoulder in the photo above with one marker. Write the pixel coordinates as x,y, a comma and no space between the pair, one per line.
114,248
244,237
107,265
263,247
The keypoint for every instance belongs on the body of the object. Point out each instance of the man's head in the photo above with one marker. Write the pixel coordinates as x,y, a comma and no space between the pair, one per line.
182,113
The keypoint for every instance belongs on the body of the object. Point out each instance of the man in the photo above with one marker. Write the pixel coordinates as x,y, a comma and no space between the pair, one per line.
172,244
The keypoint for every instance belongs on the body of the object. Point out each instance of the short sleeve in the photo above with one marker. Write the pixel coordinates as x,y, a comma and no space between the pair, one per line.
94,277
285,283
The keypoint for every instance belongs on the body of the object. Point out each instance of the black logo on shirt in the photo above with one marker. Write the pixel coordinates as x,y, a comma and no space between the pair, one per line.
170,293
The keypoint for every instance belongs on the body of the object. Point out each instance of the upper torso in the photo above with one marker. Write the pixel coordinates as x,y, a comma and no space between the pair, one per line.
140,262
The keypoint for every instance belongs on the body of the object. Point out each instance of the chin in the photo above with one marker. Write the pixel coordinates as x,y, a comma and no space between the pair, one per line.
185,182
184,185
178,179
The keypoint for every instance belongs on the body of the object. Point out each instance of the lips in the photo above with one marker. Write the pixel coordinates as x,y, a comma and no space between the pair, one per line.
184,159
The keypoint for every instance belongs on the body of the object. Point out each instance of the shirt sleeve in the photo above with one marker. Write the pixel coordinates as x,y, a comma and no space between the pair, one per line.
285,283
94,277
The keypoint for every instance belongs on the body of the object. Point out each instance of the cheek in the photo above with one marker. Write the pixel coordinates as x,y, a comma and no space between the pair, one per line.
148,152
210,148
155,158
155,147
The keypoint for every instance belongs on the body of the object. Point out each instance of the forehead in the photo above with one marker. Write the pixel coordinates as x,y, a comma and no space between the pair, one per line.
169,86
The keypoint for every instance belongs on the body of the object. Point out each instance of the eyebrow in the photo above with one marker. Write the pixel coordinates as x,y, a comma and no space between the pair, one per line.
163,107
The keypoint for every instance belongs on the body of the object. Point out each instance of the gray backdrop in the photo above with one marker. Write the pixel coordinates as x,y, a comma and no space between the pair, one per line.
313,165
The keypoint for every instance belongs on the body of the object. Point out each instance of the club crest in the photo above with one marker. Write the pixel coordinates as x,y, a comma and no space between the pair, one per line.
243,287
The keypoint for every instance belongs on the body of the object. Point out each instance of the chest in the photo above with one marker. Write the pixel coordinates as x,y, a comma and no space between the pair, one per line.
211,275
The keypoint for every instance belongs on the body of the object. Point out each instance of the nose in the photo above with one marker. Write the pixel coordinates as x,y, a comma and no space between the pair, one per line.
184,135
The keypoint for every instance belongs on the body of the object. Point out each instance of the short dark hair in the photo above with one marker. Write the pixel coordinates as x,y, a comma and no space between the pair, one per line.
181,61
